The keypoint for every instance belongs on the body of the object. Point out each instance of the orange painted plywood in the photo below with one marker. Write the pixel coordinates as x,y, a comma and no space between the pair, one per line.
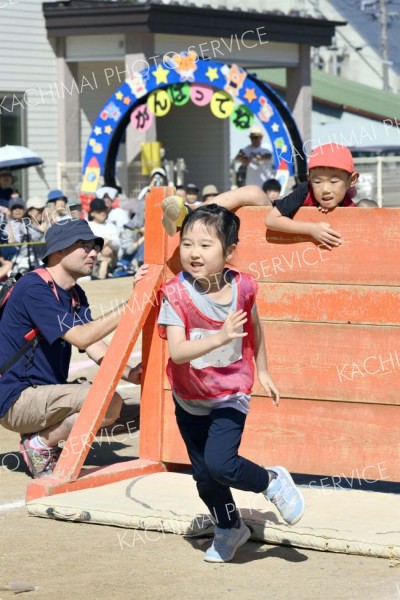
353,363
326,303
309,436
370,252
343,363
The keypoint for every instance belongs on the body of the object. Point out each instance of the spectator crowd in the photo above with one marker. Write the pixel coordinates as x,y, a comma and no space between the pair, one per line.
23,225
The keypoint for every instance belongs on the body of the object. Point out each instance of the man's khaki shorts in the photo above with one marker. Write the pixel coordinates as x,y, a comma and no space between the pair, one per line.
44,406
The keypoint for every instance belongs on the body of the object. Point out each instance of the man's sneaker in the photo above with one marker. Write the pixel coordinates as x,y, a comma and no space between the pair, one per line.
226,542
283,493
174,212
40,462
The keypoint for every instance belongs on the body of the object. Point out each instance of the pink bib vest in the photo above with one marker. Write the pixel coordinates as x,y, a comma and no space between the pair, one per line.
211,382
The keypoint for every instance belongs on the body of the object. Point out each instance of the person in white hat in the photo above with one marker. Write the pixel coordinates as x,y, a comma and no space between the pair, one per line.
256,159
158,176
35,212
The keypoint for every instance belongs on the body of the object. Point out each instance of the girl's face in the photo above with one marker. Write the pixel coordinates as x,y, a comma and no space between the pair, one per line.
202,255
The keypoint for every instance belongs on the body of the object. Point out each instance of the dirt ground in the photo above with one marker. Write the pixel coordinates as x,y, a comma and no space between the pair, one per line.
72,561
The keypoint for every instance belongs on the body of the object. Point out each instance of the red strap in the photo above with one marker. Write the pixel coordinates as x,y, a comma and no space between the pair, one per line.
46,276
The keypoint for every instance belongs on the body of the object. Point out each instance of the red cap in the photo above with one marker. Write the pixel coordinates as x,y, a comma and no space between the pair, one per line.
331,155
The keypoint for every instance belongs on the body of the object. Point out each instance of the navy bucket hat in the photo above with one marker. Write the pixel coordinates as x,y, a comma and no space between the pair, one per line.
62,235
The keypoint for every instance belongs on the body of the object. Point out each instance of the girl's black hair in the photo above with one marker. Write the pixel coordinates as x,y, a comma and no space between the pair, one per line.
225,223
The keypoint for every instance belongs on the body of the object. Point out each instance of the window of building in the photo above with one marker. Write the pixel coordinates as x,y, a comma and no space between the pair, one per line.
12,129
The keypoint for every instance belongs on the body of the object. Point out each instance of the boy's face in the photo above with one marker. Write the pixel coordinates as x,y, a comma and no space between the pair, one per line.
182,193
99,216
5,180
17,213
330,185
191,197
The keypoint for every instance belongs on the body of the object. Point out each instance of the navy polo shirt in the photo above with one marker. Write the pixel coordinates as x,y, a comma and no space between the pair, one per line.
31,304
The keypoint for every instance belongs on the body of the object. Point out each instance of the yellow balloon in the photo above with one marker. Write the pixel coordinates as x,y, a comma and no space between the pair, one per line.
221,104
159,103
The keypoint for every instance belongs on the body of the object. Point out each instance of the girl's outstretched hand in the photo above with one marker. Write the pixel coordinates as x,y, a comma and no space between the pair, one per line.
232,328
269,386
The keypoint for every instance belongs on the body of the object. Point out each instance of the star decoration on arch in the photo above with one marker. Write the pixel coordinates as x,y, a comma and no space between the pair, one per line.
250,95
161,75
212,73
108,129
119,95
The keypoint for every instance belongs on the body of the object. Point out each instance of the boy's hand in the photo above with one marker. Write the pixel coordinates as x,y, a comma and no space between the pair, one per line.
233,323
140,273
269,386
322,233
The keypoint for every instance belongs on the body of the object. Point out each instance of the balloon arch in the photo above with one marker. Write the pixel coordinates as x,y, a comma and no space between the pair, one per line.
228,91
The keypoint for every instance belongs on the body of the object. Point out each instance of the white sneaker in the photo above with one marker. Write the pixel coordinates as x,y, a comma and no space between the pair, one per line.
285,495
226,542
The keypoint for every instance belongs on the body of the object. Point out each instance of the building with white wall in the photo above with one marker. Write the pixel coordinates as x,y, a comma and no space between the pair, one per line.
61,61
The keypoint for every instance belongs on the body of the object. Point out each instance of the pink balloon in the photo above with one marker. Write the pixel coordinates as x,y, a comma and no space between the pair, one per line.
142,118
201,94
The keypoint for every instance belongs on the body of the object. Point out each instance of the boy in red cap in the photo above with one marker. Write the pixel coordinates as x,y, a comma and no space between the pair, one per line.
331,176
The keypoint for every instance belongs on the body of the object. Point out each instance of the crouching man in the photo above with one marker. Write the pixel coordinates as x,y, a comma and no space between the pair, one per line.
35,399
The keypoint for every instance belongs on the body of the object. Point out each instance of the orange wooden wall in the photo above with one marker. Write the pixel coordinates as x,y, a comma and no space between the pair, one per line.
332,327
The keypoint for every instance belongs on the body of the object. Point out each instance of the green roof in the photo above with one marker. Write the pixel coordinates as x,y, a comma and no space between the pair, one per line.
349,95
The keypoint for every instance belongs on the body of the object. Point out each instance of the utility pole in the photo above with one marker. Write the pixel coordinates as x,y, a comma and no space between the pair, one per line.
384,44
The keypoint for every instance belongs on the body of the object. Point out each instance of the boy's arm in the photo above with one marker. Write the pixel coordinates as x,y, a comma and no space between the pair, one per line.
261,360
182,350
248,195
321,232
280,219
